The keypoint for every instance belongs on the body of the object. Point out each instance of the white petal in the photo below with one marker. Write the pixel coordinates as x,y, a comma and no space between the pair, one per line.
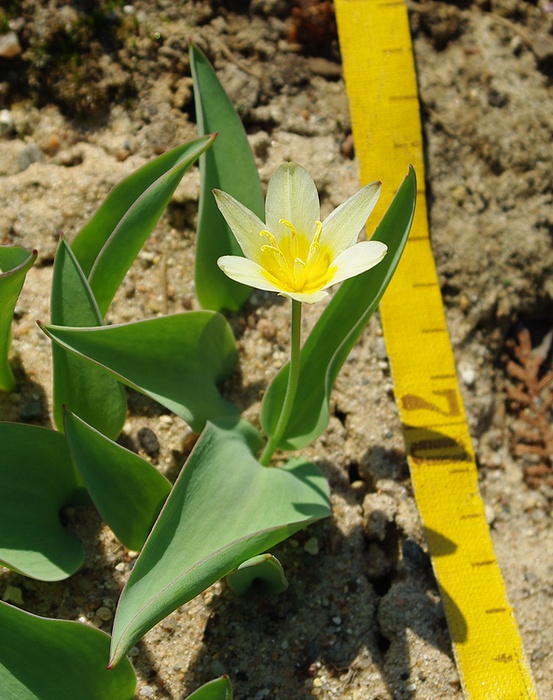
357,259
306,298
292,195
244,224
342,226
246,272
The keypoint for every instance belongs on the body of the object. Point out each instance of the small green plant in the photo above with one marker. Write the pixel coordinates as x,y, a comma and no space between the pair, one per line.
228,506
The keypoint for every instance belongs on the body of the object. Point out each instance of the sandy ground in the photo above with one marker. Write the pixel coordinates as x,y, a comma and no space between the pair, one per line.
362,617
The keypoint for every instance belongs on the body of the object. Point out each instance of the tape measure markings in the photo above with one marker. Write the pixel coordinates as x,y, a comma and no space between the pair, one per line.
375,43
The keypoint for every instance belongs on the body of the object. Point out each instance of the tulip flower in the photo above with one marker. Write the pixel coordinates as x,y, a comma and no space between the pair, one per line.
296,255
293,253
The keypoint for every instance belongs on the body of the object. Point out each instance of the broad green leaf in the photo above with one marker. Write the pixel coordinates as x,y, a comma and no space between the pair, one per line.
229,165
337,331
127,491
81,386
176,360
45,659
218,689
15,262
264,569
37,478
107,246
224,509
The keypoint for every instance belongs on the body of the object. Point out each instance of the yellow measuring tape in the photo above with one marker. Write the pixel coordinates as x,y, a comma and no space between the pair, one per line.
379,71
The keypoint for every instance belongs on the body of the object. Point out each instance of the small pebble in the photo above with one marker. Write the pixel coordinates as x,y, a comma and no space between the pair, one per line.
531,503
490,513
464,302
31,410
358,486
28,155
7,122
13,594
216,668
9,45
380,349
267,329
322,66
415,554
104,614
147,692
468,375
148,441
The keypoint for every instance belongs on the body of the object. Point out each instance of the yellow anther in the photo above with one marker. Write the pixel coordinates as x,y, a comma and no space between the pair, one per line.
315,246
289,225
272,249
318,232
295,262
269,235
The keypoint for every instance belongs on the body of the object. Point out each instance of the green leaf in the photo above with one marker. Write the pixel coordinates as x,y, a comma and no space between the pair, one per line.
337,331
15,262
218,689
44,659
107,246
229,165
79,385
176,360
224,508
37,478
264,569
127,491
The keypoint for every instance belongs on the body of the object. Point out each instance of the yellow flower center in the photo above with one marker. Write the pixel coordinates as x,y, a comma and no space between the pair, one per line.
296,264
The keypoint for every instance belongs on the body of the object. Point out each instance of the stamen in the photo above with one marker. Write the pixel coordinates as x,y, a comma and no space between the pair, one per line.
295,247
269,235
272,249
293,261
315,247
300,270
318,232
290,226
315,243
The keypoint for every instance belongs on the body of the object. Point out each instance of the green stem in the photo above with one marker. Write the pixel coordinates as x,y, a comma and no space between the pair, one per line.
291,388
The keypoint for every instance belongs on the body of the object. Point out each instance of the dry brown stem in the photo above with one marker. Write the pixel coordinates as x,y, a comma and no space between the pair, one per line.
530,393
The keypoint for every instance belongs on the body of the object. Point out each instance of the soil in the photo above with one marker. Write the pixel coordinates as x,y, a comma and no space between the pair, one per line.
90,91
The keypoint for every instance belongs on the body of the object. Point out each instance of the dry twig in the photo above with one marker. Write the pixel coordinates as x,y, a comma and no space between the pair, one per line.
531,395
